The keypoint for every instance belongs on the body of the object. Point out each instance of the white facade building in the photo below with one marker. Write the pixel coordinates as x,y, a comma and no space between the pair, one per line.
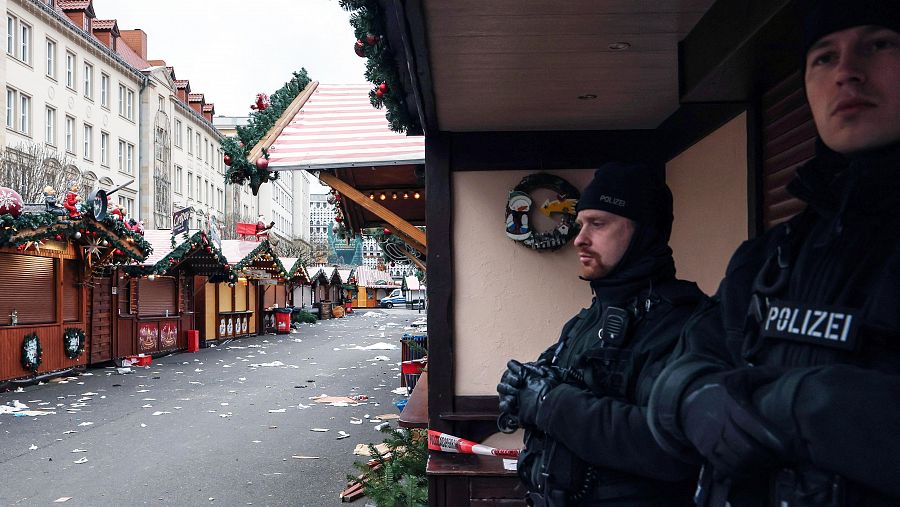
321,218
69,92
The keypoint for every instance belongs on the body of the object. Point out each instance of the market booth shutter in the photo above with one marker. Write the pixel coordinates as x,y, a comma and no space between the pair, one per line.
157,298
72,293
30,288
789,139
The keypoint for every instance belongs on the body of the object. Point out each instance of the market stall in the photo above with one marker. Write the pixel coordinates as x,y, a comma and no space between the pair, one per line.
236,309
48,260
297,280
371,285
155,301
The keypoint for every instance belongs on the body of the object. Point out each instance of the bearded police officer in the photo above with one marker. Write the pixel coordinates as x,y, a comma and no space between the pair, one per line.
583,401
788,387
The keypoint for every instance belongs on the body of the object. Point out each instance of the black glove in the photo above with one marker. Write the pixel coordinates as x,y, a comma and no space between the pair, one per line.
508,388
539,381
725,428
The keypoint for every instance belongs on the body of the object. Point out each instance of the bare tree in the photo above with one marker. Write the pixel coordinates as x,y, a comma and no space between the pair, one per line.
27,168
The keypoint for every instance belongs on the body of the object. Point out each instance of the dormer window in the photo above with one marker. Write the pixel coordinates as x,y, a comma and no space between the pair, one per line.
51,3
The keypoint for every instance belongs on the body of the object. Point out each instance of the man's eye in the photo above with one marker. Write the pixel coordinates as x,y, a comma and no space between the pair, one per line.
822,59
882,44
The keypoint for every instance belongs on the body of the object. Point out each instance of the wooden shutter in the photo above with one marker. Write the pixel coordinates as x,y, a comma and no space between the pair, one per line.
268,295
157,296
240,296
789,137
29,288
72,291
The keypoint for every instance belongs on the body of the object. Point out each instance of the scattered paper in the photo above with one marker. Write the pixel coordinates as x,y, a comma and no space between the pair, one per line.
342,435
62,499
160,413
363,449
387,417
377,346
76,451
80,461
305,457
86,424
33,447
277,411
273,363
319,430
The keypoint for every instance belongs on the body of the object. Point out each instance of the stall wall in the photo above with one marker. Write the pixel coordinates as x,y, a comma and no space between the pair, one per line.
709,186
509,301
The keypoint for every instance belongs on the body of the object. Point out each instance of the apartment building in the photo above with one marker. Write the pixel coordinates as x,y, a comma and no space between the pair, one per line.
84,87
321,218
68,91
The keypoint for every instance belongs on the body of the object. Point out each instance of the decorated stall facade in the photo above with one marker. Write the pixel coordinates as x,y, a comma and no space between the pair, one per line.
371,285
48,260
235,309
296,280
156,300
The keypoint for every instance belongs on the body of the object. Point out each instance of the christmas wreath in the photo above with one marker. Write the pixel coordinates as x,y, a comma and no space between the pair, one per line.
73,342
519,205
31,352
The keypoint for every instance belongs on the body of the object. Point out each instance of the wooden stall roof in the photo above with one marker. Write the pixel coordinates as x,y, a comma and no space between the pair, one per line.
196,253
248,257
374,279
296,271
344,274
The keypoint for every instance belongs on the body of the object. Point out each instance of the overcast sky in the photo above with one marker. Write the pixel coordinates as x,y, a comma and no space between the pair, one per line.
231,50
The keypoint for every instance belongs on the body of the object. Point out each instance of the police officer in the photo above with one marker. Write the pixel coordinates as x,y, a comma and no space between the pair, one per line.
788,384
583,402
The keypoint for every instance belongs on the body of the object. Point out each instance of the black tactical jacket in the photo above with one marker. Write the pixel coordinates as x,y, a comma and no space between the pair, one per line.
601,421
831,334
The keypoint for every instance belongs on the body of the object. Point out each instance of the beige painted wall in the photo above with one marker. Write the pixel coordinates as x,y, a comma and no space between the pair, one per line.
509,301
709,184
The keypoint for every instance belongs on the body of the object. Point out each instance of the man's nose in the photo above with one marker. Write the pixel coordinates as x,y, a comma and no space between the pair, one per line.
850,69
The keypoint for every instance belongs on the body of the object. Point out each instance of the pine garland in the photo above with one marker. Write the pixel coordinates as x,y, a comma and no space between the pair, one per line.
197,241
367,20
36,227
400,479
261,121
264,248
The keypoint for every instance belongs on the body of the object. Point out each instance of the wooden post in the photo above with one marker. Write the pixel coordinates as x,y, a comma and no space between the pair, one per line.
416,236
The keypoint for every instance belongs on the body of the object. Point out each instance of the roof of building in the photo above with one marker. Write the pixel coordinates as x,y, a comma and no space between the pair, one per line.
103,24
374,279
133,59
182,83
344,274
195,97
337,126
209,107
73,5
161,241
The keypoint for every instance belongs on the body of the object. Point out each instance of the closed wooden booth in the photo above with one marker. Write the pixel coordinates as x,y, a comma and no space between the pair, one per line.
156,301
47,264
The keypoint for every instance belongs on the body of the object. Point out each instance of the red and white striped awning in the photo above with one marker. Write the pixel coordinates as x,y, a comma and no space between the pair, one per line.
338,127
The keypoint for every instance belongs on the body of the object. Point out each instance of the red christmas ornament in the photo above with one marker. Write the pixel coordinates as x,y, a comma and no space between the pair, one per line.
227,160
10,202
119,252
338,219
387,232
58,237
383,87
228,266
379,93
360,49
262,102
262,163
371,39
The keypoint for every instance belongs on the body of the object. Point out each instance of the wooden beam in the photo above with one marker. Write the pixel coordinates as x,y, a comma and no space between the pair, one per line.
269,139
415,260
416,236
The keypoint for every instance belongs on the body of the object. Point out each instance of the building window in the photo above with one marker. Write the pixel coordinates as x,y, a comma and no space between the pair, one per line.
199,150
190,136
104,148
70,134
208,149
129,158
104,90
127,205
129,104
10,108
121,100
179,175
50,129
70,69
88,140
178,133
121,156
18,39
199,188
24,125
190,185
208,192
51,59
88,81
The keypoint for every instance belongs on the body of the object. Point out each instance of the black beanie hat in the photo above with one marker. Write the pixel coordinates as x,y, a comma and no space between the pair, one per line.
632,191
829,16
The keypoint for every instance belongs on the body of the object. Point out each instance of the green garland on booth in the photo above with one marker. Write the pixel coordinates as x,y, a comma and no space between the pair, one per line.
261,121
35,227
368,22
197,240
73,342
32,352
248,259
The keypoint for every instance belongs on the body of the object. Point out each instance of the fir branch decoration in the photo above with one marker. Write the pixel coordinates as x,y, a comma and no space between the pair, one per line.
399,479
237,149
367,20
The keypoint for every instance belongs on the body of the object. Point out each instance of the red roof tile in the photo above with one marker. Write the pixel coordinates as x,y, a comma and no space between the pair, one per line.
182,83
195,97
73,5
103,24
209,107
131,57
